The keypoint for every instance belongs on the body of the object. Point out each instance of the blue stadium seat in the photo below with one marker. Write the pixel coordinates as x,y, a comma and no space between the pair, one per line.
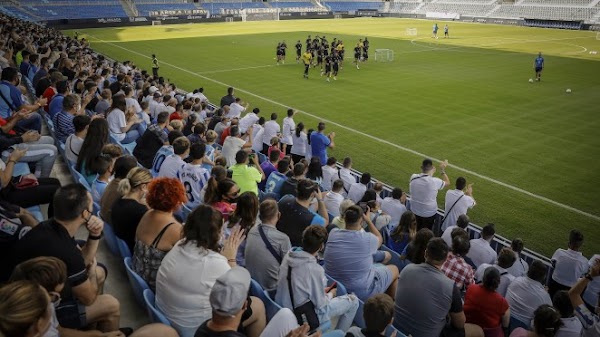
390,330
396,260
111,239
270,306
359,320
155,315
36,211
124,250
137,282
20,169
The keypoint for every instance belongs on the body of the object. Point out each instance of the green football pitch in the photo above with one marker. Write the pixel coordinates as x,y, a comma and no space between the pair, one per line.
532,150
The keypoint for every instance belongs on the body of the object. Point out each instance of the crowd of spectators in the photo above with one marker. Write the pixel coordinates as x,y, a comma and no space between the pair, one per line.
211,198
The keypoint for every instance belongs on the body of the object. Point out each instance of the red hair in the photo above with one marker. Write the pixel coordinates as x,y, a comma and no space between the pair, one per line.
165,194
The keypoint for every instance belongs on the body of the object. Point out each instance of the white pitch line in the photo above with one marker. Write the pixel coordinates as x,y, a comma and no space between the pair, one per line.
235,69
400,147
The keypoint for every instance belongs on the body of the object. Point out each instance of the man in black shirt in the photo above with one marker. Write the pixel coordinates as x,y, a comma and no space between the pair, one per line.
298,51
357,52
327,71
229,98
335,64
81,303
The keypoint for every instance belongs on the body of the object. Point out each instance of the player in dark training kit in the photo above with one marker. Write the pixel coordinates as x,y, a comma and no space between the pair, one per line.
357,54
279,53
365,50
327,71
335,64
538,64
320,57
298,51
283,48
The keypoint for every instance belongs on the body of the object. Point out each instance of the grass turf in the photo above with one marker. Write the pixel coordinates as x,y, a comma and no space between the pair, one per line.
466,99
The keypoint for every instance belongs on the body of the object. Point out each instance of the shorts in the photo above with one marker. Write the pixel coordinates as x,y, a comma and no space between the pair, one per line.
71,314
357,56
327,69
381,282
335,68
538,69
379,256
298,52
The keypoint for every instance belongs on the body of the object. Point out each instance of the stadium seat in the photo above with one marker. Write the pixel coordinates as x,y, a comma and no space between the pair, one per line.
82,181
396,260
36,211
137,282
359,320
390,331
111,239
124,250
270,306
20,169
155,315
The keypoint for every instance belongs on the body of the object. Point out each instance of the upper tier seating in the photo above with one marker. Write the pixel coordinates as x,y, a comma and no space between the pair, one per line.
545,12
463,9
353,6
145,8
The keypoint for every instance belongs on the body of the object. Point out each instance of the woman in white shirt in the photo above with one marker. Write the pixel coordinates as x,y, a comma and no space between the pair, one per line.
126,128
189,271
299,140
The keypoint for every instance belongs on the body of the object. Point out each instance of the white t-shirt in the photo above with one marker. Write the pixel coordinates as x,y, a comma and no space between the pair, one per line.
505,277
157,108
132,102
332,201
356,192
346,175
423,194
571,328
53,329
116,121
590,295
519,268
257,137
72,148
481,252
271,130
569,266
299,144
235,110
247,121
231,146
171,166
194,178
288,130
329,175
524,296
159,158
464,203
394,208
183,284
447,235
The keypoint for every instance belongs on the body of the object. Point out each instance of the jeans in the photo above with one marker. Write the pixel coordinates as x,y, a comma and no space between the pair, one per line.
345,308
135,132
34,122
42,153
285,321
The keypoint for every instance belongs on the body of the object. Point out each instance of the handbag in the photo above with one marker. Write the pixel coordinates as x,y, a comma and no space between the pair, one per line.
306,312
25,181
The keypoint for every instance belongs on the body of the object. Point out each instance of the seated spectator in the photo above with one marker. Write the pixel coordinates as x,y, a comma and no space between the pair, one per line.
111,194
75,140
569,264
462,222
105,165
394,206
258,132
506,258
403,233
183,284
224,197
345,174
378,188
357,190
301,280
268,167
84,304
164,152
25,310
217,174
158,230
378,314
123,123
484,306
458,201
333,199
426,297
546,323
349,257
244,217
338,221
247,176
571,326
415,250
295,212
592,291
276,145
198,134
290,186
173,163
299,143
589,320
40,151
379,218
263,262
104,103
520,267
481,251
14,102
277,178
211,151
194,176
314,171
526,293
56,102
234,143
423,193
152,140
455,266
128,210
91,148
22,222
63,120
227,131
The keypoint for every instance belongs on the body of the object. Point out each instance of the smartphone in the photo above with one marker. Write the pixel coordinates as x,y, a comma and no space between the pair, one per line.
333,286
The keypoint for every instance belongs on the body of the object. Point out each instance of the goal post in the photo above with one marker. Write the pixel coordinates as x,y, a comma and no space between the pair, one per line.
411,31
598,36
260,14
156,22
384,55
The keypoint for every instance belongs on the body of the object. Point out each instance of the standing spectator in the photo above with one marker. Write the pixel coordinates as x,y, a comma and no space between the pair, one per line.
571,326
455,266
245,176
229,98
314,171
236,108
268,167
301,280
333,199
75,141
462,222
546,323
234,143
526,293
520,267
319,142
296,214
263,262
423,192
258,132
569,264
394,206
330,173
345,173
349,257
589,320
484,306
271,130
14,102
300,141
289,126
249,120
481,250
506,258
426,297
458,201
173,163
357,190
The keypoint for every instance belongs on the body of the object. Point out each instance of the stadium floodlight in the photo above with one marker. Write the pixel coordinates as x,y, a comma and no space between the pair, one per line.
411,31
384,55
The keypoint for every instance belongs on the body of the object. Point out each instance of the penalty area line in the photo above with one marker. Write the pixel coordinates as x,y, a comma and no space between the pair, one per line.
347,128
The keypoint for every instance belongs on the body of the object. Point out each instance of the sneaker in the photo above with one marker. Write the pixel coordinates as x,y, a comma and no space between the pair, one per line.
334,78
328,79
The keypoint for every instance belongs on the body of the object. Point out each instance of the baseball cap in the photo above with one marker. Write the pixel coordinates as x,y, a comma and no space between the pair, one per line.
152,89
157,94
230,291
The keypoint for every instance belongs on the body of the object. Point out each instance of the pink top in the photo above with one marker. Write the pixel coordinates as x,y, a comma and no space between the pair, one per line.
519,332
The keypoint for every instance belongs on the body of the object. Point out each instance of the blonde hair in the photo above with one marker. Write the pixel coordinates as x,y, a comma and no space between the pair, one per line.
22,304
135,178
274,141
176,124
211,135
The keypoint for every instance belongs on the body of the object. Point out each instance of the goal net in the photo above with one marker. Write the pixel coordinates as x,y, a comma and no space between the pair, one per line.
156,23
411,31
384,55
260,14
